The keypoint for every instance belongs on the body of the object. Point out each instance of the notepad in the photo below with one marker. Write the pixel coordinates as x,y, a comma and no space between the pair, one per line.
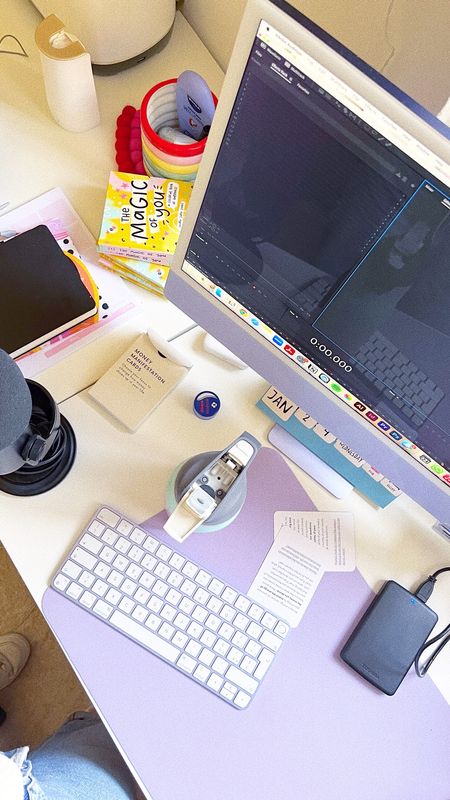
41,293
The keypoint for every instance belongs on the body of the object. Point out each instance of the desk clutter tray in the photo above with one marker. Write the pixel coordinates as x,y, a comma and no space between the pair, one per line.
314,730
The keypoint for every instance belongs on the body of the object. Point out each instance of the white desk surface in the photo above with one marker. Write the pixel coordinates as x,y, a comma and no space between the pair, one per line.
130,471
37,155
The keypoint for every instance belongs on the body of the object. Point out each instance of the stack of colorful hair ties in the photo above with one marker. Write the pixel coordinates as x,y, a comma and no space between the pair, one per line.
163,158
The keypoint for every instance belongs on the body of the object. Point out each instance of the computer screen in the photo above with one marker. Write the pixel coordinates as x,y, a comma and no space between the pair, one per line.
318,247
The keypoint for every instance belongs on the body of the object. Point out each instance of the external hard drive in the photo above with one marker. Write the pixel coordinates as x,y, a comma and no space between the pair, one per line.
385,642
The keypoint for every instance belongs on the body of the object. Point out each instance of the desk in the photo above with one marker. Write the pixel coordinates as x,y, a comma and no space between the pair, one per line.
126,470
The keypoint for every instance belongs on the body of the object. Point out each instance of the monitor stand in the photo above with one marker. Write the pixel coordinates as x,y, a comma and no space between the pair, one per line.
309,462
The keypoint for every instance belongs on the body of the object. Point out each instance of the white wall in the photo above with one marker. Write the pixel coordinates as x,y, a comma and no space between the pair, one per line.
407,40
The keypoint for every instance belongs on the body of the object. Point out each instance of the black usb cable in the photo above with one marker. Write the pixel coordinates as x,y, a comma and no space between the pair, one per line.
424,593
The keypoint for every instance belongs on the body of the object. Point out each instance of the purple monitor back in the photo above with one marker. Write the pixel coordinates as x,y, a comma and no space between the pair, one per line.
230,234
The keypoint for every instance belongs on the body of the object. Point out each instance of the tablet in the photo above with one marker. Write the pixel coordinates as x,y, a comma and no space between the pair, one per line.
41,292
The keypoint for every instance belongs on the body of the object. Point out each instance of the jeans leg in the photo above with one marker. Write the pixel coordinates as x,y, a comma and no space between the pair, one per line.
81,761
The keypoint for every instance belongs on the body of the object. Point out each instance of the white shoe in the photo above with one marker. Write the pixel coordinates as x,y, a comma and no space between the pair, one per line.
14,653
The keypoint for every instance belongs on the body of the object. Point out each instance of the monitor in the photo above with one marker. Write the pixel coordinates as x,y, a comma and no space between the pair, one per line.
317,245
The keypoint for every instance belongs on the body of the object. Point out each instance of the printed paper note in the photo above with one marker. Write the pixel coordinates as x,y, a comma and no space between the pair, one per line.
332,533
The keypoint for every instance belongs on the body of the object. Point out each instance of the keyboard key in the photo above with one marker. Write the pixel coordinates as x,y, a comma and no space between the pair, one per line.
181,621
88,599
103,609
281,629
153,622
175,579
176,561
110,537
249,664
216,586
108,517
137,536
226,631
221,647
102,570
242,699
147,580
115,578
195,630
242,680
71,569
186,605
120,562
268,620
189,569
255,612
112,596
235,656
180,639
140,613
129,587
173,597
270,640
199,613
160,588
99,588
186,663
74,591
166,630
228,613
203,578
215,682
168,613
229,595
193,648
141,595
242,603
202,673
148,562
255,630
90,543
213,622
201,596
240,639
241,622
253,648
208,638
84,558
136,553
150,544
214,604
122,545
61,582
220,665
96,528
155,604
206,656
162,570
187,587
145,636
134,572
163,552
124,527
108,554
228,690
127,605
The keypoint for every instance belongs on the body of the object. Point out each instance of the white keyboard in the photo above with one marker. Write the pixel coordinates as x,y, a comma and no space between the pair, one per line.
175,609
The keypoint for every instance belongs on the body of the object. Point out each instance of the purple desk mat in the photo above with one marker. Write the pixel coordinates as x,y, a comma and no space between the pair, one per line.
315,730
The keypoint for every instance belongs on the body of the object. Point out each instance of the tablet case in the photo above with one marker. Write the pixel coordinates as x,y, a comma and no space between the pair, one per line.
315,730
41,292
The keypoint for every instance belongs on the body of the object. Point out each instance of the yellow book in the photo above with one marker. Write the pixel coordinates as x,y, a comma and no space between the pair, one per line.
143,217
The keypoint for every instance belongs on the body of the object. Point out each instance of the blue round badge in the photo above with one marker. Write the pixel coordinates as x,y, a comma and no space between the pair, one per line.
206,405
